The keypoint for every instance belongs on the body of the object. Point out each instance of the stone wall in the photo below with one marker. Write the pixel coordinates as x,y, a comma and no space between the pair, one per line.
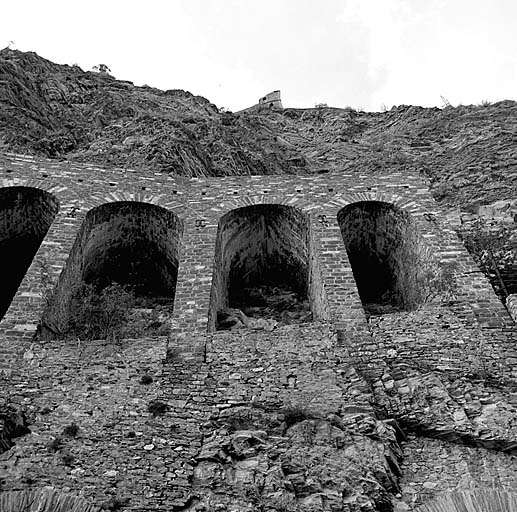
310,416
468,468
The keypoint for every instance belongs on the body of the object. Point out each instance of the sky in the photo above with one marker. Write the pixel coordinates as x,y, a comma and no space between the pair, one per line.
366,54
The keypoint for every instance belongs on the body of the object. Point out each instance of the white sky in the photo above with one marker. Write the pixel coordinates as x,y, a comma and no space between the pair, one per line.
359,53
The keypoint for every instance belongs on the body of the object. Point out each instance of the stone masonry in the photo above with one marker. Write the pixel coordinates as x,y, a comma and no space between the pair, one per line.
351,411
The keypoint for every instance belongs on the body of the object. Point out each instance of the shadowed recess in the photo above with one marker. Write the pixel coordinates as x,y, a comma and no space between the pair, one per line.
127,243
132,244
25,216
382,247
263,263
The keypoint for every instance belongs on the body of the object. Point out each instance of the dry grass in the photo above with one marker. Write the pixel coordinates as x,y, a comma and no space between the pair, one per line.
43,500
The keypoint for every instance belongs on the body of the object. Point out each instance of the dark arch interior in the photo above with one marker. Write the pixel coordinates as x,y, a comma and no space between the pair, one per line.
263,263
124,260
25,217
381,247
132,244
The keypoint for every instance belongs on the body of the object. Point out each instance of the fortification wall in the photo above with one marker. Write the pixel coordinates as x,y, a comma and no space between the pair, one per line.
271,101
271,418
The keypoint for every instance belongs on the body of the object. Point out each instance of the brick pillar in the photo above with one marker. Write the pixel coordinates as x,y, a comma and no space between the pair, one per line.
24,314
346,310
194,283
474,292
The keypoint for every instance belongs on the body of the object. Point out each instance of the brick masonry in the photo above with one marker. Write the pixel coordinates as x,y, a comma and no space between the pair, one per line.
199,373
199,204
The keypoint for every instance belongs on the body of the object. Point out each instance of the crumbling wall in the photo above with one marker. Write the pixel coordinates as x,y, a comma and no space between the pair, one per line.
220,419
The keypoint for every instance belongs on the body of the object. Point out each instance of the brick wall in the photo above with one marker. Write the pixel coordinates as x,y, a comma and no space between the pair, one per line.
199,205
125,450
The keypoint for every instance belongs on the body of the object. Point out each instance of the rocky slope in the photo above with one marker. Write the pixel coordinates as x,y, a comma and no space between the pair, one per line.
468,153
468,156
63,112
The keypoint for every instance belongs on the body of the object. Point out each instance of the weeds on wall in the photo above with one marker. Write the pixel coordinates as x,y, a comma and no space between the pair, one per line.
295,414
431,281
494,249
99,315
112,313
439,282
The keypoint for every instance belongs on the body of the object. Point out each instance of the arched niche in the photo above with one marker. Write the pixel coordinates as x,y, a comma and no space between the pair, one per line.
264,265
26,214
134,244
385,254
130,243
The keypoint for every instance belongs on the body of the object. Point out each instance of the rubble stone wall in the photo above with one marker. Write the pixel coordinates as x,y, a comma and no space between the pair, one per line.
303,417
468,468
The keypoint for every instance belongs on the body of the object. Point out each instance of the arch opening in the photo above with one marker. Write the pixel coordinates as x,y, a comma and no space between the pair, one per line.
134,245
125,260
384,252
26,214
263,268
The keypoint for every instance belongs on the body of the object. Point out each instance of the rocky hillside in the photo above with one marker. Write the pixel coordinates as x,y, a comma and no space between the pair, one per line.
468,153
62,112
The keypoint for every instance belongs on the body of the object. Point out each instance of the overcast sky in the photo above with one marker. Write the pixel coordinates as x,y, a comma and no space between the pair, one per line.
367,54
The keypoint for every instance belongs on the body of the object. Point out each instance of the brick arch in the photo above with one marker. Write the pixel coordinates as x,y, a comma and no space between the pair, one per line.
132,243
261,244
26,214
300,203
387,253
63,193
341,200
160,200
